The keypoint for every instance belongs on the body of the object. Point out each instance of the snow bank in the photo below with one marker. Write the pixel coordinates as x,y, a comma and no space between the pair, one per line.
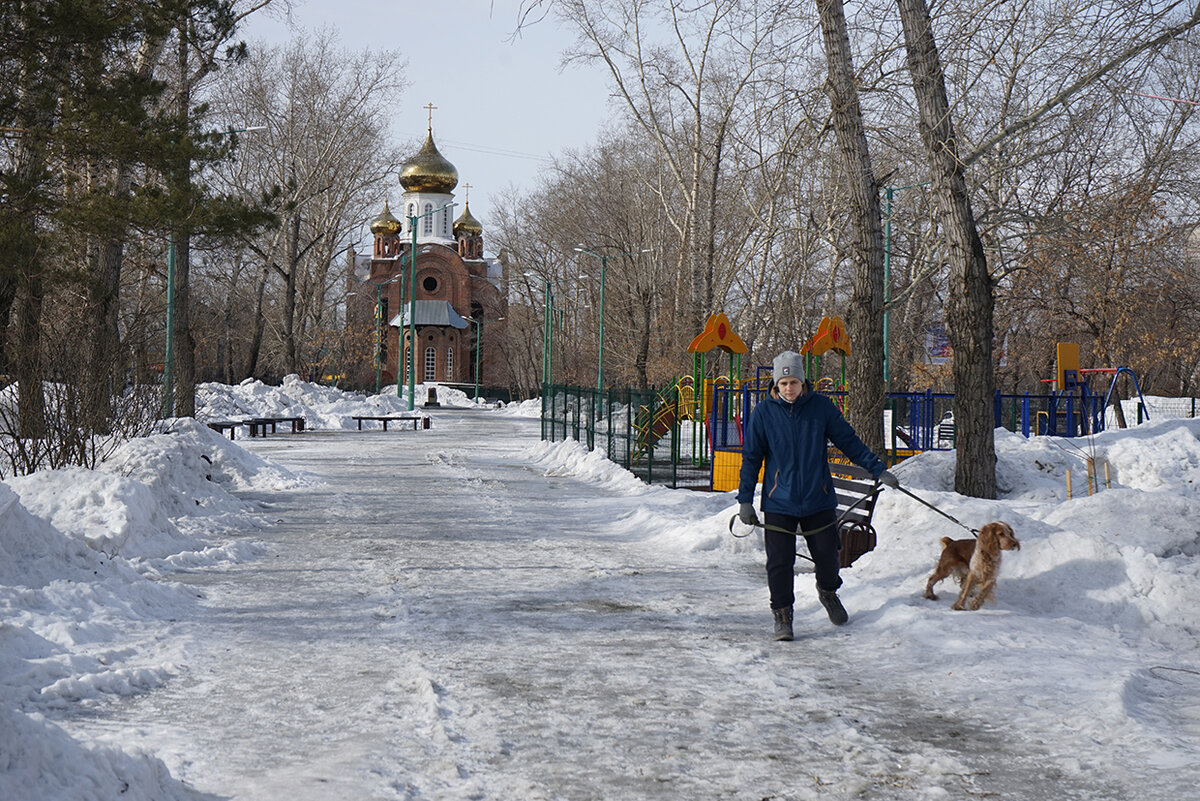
83,603
321,407
1104,585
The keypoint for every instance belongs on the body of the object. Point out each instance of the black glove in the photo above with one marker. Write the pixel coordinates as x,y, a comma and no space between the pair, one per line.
747,515
889,480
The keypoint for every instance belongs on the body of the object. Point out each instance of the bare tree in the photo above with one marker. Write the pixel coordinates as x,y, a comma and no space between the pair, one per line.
680,70
326,114
865,320
970,305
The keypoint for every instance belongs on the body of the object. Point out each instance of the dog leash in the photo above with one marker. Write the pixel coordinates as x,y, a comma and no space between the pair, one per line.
951,518
836,523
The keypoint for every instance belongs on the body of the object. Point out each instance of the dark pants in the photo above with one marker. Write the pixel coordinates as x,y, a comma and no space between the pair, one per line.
781,553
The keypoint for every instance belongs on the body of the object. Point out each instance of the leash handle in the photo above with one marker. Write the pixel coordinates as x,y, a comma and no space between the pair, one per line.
835,524
765,527
951,518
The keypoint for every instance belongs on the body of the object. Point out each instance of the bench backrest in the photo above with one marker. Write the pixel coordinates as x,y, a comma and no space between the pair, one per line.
855,492
852,484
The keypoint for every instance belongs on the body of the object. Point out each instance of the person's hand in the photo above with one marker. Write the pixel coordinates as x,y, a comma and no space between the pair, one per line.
888,480
747,515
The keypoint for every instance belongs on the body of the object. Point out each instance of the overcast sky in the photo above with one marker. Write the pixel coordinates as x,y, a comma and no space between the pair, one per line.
503,106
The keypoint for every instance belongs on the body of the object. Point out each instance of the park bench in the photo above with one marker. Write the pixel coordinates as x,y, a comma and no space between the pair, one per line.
221,426
257,425
856,494
415,419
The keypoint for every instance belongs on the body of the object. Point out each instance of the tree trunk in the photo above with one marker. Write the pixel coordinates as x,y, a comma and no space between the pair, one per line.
184,346
291,257
864,320
8,291
22,258
104,339
259,323
31,395
969,310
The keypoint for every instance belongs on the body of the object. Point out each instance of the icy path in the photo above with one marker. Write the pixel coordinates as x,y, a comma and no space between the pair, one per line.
441,621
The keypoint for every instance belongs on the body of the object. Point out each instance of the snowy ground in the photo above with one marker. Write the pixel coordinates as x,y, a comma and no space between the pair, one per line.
465,612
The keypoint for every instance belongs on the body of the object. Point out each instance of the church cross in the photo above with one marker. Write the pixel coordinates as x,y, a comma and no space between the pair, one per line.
467,187
431,108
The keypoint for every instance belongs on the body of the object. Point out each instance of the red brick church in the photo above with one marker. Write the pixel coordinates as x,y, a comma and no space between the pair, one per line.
458,299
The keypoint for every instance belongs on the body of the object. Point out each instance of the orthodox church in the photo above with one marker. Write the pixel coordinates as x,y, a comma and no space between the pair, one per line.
457,305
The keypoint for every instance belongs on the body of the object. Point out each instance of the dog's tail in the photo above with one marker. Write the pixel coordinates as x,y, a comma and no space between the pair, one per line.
946,542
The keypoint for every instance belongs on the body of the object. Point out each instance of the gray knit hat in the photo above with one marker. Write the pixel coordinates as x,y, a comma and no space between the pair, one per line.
788,364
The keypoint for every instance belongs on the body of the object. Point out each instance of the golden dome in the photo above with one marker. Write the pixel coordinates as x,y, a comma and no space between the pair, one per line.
428,171
385,223
466,223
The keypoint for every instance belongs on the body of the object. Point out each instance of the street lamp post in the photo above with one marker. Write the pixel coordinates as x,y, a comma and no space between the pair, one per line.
600,350
478,349
168,404
412,306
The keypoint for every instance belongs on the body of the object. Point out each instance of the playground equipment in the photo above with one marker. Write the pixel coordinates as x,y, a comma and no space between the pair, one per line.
732,406
831,335
717,334
689,397
1074,408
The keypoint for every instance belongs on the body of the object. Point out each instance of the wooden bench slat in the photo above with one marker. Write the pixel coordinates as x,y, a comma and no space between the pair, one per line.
852,486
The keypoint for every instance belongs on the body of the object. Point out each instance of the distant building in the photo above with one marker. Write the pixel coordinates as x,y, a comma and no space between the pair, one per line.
456,287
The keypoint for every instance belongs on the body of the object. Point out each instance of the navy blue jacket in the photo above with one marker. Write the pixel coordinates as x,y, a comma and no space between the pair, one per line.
791,438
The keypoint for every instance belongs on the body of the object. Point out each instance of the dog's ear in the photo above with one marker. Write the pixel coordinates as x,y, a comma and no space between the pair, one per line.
1002,534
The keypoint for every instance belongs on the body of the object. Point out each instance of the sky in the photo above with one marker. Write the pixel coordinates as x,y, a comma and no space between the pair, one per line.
466,611
504,107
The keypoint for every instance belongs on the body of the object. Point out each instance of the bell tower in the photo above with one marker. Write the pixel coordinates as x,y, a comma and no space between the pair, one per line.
386,230
468,231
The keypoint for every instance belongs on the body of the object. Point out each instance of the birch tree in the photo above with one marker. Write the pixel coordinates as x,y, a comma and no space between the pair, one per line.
680,70
325,112
971,300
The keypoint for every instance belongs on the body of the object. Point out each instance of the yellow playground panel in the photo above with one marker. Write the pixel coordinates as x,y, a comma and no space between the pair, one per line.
830,336
727,466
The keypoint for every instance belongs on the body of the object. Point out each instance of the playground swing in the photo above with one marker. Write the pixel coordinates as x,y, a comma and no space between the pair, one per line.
1071,388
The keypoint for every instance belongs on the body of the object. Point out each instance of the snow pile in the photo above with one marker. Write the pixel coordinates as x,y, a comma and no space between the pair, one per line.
526,408
1093,631
1124,557
321,407
571,458
82,606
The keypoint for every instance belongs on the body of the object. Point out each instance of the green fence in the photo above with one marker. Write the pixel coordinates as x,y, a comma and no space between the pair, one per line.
635,428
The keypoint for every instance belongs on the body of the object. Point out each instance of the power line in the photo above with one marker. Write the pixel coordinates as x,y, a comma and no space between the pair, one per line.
516,154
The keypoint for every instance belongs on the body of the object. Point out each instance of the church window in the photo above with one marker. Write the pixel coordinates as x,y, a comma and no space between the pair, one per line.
445,220
429,218
430,364
449,364
430,284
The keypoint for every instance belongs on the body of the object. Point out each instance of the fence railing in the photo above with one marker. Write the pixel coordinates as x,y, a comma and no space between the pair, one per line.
663,438
644,431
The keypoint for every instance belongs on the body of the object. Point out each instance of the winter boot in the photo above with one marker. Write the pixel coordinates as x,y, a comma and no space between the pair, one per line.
829,600
783,623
